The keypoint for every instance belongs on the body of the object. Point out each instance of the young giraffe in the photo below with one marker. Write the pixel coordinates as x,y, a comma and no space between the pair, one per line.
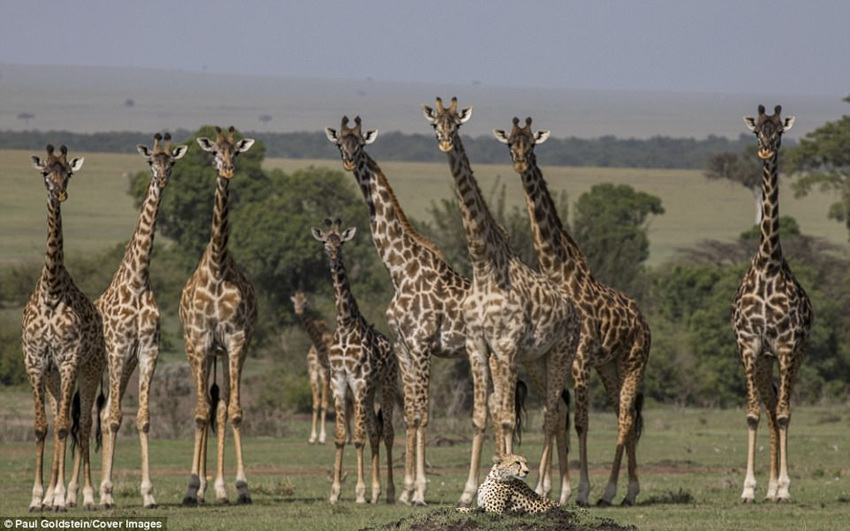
614,336
771,319
425,312
131,321
513,314
362,362
218,309
318,367
62,342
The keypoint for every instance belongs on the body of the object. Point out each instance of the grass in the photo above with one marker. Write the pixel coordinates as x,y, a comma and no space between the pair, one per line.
691,468
100,214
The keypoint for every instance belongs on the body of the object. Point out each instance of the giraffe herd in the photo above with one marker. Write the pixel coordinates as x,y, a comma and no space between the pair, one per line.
555,320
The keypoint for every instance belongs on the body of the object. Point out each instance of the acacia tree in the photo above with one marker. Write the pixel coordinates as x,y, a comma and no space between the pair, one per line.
743,168
610,227
823,160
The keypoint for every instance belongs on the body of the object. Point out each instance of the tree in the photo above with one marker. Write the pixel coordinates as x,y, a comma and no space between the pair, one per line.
610,227
743,168
823,160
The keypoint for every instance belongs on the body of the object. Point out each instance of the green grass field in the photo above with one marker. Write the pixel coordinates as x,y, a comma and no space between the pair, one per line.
100,214
691,468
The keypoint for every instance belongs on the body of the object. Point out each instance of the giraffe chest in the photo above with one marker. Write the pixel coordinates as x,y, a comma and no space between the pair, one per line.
771,307
360,353
61,329
431,319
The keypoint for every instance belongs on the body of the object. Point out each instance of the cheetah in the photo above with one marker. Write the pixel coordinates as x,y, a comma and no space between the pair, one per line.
504,490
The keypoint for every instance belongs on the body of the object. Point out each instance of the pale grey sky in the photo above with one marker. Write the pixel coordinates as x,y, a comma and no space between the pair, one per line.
717,46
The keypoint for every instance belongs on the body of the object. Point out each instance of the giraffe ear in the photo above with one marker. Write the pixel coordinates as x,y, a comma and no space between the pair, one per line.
541,136
179,151
750,122
370,136
143,150
37,162
429,113
206,144
244,145
347,234
465,115
500,136
77,163
788,122
317,233
331,134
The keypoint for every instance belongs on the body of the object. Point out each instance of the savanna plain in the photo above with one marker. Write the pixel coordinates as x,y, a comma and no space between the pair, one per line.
691,461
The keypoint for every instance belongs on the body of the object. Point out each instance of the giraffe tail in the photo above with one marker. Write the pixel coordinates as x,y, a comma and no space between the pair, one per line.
98,431
565,396
379,423
520,413
76,409
214,397
638,416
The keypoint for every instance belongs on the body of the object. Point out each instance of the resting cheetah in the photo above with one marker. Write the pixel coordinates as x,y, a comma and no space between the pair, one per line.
504,490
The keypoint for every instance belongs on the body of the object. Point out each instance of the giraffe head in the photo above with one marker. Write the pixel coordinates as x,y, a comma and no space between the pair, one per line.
225,149
350,140
768,130
57,171
521,142
446,121
162,158
333,237
299,301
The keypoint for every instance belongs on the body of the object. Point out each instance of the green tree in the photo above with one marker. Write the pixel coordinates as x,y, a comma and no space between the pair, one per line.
822,160
610,227
743,168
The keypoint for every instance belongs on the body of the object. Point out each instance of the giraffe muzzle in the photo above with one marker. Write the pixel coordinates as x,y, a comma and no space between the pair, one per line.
765,154
348,165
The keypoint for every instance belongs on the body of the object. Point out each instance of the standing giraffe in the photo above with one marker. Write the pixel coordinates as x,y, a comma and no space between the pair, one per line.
362,363
318,367
513,314
771,319
62,342
131,321
614,337
425,313
218,309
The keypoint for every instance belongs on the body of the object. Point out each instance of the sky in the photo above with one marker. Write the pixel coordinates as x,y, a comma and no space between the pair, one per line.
716,46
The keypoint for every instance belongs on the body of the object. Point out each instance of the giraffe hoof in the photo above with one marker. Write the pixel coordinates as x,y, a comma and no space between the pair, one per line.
151,506
627,503
422,504
244,499
59,509
190,502
35,509
222,501
89,507
603,503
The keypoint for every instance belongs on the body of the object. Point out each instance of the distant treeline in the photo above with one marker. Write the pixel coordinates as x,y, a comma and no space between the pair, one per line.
606,151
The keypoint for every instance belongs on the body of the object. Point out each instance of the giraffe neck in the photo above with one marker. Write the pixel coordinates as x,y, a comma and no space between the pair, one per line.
558,254
217,249
769,248
312,330
52,276
397,243
137,256
347,312
486,241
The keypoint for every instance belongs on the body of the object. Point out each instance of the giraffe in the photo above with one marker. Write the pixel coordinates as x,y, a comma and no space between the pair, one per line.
62,343
362,362
218,309
772,317
318,367
425,312
614,337
513,313
131,321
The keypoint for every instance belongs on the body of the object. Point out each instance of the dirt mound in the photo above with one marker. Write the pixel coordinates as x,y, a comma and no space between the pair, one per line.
557,519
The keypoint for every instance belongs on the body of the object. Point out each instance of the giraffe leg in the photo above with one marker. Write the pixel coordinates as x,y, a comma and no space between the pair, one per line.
789,364
388,433
767,394
68,379
200,373
234,415
315,391
221,436
415,370
89,382
478,366
375,427
555,423
581,379
53,392
324,381
111,419
538,374
626,420
35,374
748,358
147,366
359,438
340,434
